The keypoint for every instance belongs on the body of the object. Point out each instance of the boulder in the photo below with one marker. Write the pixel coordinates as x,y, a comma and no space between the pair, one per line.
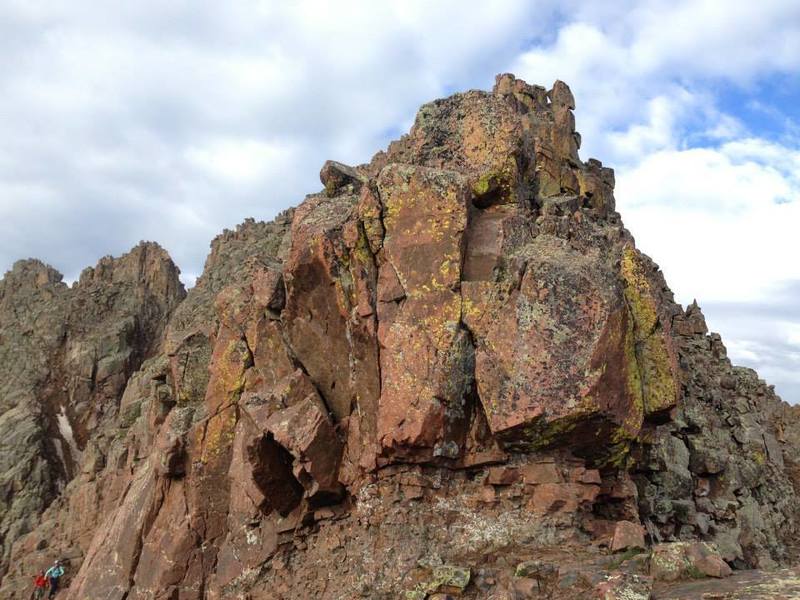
448,579
626,536
502,475
426,356
563,497
306,431
540,389
623,586
687,560
541,473
335,176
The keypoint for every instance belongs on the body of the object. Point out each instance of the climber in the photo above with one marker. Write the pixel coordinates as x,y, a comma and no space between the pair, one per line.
53,574
39,585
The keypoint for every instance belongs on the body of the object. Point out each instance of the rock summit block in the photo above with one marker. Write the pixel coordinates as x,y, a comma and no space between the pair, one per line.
451,360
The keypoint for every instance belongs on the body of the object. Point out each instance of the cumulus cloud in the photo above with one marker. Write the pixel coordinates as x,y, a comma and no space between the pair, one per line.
646,71
722,224
173,121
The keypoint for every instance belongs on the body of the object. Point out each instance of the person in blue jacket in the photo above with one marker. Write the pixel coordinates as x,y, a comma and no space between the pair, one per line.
53,574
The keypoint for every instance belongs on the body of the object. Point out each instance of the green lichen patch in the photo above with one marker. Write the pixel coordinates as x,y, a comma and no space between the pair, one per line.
624,557
495,186
654,360
448,578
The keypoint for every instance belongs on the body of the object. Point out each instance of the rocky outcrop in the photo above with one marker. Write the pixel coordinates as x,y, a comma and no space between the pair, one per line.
716,469
66,354
453,356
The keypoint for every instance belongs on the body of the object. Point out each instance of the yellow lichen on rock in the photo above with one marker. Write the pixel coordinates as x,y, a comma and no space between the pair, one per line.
654,357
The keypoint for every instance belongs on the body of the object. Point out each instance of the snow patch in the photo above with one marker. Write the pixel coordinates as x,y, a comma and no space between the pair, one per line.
65,429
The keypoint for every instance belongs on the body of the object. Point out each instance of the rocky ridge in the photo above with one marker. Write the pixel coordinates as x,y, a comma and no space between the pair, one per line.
66,354
449,372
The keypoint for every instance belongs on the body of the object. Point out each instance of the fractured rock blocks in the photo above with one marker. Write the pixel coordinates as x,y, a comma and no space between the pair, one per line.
453,352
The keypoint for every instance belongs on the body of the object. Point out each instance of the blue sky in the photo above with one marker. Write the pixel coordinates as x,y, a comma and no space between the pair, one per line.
172,121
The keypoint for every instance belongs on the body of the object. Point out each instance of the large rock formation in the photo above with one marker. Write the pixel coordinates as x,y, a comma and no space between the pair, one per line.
448,372
66,355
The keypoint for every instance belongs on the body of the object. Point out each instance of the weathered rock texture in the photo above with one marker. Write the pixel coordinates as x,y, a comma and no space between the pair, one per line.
448,366
66,356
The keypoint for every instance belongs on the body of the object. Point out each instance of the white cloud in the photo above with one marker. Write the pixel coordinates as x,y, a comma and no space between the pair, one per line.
716,219
722,223
662,113
242,161
629,61
118,121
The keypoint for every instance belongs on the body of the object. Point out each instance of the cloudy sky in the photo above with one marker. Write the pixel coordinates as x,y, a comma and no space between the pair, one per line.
173,120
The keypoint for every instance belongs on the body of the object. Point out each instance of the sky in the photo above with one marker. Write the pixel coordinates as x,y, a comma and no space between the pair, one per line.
170,121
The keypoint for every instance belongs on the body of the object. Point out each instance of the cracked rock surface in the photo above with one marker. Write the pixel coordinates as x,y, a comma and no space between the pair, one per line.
449,372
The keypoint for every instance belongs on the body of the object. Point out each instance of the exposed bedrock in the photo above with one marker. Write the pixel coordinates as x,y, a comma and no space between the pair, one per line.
451,358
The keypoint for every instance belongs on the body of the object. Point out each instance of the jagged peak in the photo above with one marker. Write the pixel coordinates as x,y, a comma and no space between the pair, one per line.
141,264
250,237
30,273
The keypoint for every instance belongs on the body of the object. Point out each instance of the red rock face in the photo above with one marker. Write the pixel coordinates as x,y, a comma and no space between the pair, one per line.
547,349
425,353
452,358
